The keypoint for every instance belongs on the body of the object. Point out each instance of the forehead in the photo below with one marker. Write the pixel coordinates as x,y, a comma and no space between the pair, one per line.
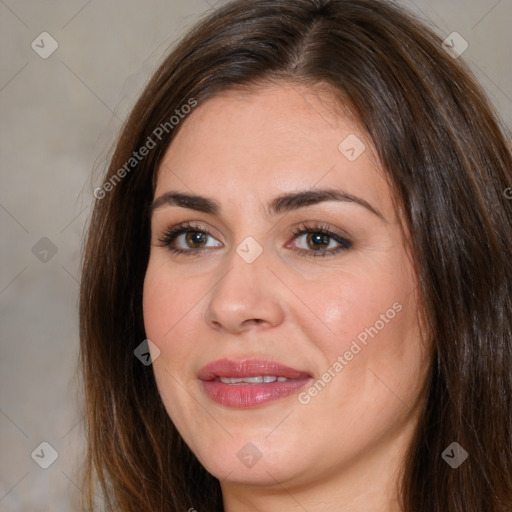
250,145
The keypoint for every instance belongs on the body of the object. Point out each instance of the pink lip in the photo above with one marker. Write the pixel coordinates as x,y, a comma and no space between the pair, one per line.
242,395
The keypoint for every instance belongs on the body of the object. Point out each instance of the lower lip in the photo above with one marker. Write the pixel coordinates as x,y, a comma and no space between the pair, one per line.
244,396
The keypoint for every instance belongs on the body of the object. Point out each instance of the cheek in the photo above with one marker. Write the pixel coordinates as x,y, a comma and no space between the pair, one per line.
359,306
167,301
169,306
157,304
373,353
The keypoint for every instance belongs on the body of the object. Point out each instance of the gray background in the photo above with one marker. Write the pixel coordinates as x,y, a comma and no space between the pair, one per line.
59,117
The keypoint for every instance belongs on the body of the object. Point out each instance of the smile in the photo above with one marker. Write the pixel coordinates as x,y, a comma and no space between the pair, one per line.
252,380
250,383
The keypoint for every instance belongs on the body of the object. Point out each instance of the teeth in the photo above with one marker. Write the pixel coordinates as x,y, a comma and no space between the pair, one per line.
252,380
230,380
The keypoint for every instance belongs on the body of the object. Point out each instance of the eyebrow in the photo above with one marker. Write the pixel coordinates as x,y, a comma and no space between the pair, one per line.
281,204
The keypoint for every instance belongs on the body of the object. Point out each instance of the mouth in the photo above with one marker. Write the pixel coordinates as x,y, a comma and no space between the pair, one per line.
252,380
250,383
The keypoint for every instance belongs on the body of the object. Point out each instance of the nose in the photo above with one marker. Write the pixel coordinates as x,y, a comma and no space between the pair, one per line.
247,296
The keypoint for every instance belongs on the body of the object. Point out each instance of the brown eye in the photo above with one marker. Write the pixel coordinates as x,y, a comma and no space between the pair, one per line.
195,239
319,241
187,238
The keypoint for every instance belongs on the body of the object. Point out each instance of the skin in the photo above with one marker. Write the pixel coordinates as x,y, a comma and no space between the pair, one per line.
343,449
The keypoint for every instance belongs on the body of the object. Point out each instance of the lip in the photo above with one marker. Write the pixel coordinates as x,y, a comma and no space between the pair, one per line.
244,396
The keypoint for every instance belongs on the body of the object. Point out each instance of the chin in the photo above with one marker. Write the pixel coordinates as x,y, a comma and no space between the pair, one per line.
259,462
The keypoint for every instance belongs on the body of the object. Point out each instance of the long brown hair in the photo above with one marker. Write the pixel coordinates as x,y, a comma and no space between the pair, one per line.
449,166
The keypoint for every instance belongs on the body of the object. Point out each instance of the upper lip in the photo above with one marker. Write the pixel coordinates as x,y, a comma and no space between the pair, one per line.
248,368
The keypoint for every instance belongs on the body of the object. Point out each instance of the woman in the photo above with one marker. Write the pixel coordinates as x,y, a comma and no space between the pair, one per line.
296,284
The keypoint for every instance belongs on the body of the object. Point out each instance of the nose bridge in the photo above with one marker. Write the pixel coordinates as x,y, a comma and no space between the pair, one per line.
246,292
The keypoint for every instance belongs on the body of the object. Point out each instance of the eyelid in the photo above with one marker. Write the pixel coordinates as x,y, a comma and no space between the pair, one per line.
184,227
320,226
344,242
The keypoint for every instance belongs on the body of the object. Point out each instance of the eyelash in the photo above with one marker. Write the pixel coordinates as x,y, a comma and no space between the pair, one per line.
171,234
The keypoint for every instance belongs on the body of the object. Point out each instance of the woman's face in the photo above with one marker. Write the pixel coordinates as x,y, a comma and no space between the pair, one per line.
293,274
